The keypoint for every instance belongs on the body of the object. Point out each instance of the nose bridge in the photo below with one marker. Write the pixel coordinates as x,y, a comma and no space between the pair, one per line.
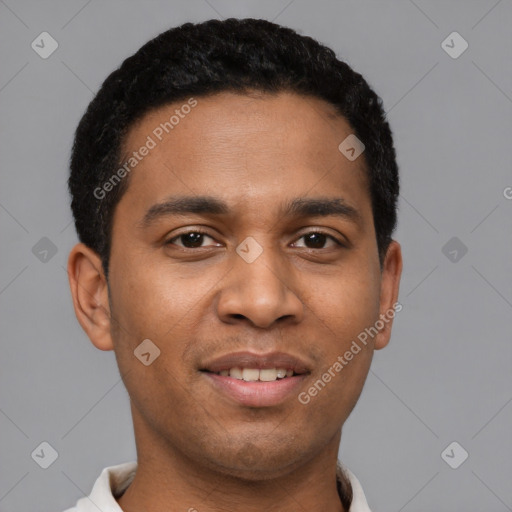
259,287
263,276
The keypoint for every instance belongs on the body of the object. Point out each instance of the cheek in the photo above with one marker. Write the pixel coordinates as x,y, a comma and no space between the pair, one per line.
346,303
156,302
151,300
342,309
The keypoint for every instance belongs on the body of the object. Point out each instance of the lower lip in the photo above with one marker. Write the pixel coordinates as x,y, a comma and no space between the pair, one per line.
257,394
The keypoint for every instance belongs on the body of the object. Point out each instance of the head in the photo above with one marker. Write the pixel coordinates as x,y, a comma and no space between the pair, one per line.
229,131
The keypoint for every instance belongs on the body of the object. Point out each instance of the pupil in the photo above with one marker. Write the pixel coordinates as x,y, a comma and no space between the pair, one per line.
317,238
193,238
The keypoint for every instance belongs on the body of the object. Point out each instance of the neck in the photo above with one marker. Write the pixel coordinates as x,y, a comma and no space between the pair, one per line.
167,478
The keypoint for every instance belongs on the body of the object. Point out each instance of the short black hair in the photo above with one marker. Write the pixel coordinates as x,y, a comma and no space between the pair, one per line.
236,55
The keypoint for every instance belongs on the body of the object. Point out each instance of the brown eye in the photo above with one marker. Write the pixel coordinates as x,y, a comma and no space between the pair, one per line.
317,240
189,240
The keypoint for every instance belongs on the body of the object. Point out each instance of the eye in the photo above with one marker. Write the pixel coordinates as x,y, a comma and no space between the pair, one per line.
317,239
194,239
190,239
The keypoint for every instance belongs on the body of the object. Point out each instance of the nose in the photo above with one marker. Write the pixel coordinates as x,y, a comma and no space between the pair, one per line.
260,292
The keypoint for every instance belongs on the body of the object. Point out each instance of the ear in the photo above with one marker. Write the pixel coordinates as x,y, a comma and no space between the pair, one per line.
89,290
390,284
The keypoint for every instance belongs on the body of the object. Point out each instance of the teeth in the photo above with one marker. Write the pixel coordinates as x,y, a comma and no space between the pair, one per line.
268,375
236,373
254,374
250,375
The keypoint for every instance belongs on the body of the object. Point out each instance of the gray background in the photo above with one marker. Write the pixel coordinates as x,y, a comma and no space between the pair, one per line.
446,375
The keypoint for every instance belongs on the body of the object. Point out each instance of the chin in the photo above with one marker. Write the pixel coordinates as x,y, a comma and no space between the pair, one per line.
256,463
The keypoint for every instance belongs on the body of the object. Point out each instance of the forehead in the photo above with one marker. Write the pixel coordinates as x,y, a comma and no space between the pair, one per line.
243,147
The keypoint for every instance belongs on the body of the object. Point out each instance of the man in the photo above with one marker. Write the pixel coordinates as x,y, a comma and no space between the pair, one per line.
234,189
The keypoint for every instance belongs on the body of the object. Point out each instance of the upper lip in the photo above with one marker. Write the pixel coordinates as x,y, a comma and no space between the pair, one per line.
256,361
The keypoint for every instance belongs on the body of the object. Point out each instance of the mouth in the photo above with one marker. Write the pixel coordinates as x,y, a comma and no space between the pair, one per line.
256,374
256,380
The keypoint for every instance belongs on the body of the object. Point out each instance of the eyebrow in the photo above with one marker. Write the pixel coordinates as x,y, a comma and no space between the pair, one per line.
299,207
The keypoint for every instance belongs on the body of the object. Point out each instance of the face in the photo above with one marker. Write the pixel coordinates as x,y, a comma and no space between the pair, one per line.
245,232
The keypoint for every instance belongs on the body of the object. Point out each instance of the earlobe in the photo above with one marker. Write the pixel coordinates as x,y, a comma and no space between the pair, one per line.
89,290
390,284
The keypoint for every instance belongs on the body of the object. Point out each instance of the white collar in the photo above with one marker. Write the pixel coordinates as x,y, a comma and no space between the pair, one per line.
114,480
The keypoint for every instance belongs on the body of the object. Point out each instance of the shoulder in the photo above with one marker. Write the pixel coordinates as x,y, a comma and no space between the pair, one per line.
358,501
111,483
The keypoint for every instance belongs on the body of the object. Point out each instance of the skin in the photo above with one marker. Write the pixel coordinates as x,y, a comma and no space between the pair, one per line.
197,301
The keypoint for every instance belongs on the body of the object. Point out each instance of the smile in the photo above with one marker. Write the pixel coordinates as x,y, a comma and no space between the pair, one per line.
256,392
255,374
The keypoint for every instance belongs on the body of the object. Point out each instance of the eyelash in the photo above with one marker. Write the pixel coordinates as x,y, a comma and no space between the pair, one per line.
200,231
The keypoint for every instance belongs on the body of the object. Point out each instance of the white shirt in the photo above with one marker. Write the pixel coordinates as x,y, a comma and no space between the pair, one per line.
114,480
